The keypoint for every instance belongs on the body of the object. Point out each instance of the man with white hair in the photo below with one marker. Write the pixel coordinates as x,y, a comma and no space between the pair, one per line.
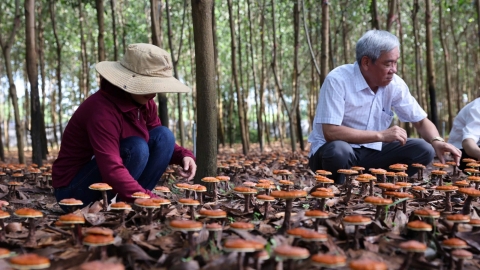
356,107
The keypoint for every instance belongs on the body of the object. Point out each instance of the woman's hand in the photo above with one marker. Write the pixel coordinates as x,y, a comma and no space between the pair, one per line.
189,168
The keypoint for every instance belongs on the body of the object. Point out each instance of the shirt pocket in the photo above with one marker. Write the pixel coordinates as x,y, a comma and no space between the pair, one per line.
386,119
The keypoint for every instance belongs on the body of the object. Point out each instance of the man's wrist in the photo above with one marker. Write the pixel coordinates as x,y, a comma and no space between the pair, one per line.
437,139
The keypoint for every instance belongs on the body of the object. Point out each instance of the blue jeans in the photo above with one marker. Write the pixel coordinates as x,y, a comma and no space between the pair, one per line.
340,155
146,162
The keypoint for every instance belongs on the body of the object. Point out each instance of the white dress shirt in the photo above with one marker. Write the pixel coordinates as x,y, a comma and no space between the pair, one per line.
466,125
347,100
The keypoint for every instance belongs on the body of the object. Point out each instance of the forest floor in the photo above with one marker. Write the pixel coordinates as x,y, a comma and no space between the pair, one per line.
156,246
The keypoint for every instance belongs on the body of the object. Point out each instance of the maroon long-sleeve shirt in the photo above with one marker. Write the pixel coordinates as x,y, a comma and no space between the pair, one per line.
96,128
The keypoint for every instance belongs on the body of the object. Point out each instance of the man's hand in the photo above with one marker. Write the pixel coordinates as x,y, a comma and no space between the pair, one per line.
189,168
394,133
442,147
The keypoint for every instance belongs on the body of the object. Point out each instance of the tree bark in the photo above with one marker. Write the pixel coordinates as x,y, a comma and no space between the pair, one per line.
392,4
36,114
6,50
446,65
430,64
83,55
220,126
202,11
41,54
373,10
101,30
418,55
325,39
114,30
240,101
58,74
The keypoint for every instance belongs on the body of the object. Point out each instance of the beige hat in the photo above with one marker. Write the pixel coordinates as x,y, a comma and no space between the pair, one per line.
144,69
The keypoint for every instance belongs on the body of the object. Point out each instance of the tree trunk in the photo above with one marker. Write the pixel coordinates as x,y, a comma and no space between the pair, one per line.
202,11
36,113
41,55
114,30
430,64
101,30
263,82
373,10
418,55
446,65
6,50
83,55
345,30
392,4
220,126
58,71
325,39
240,106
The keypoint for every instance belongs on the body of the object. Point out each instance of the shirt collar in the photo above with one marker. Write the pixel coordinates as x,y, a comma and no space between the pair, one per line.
120,98
359,80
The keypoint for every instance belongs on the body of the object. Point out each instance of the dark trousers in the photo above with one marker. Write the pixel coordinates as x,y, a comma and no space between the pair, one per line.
463,165
340,155
146,162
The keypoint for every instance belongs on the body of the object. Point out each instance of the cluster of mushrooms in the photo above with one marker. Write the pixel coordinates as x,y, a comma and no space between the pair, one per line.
317,224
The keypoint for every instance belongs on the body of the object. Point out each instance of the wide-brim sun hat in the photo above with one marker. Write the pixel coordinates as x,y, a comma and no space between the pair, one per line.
144,69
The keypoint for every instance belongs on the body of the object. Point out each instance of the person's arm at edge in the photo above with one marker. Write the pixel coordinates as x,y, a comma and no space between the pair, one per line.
355,136
471,148
428,131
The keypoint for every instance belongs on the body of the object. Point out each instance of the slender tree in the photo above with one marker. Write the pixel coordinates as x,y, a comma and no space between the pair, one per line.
35,110
101,30
202,12
58,73
430,64
374,12
446,64
114,30
6,45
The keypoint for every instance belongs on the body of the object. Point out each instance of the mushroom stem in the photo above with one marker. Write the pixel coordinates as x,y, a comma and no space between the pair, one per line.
404,208
466,205
441,181
149,219
454,229
286,218
315,224
265,214
2,231
371,187
31,234
77,231
321,206
103,253
378,211
200,197
105,201
215,192
448,203
460,264
348,184
192,212
407,262
247,203
240,260
355,236
187,194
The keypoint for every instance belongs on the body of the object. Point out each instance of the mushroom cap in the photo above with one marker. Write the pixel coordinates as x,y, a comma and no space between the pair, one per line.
438,172
398,167
186,201
461,183
282,172
323,172
473,178
322,194
262,255
285,182
378,200
99,231
328,260
223,178
470,192
263,186
323,179
210,179
241,245
313,236
446,188
265,198
218,213
28,213
316,214
377,171
293,253
458,218
388,186
249,184
120,206
4,253
401,174
14,183
366,264
413,246
440,165
161,201
366,177
471,170
347,171
242,226
199,188
185,225
72,219
468,160
266,181
4,214
245,190
291,194
357,168
62,225
146,203
214,227
418,165
418,188
399,194
140,195
418,225
29,261
162,189
70,202
462,254
403,184
96,240
427,213
454,243
297,232
473,164
182,186
475,222
357,220
100,186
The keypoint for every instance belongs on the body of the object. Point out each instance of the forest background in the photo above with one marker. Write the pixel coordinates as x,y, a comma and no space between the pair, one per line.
261,83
